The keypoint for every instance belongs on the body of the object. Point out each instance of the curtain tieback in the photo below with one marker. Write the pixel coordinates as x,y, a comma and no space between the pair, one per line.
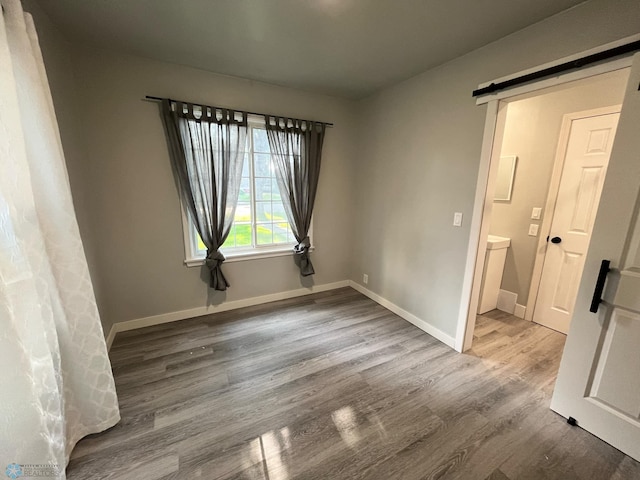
214,259
303,247
302,251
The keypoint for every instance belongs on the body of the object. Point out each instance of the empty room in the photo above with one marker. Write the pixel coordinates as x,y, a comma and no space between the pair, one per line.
320,239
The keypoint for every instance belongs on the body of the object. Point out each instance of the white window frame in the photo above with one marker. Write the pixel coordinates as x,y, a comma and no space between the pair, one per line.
195,257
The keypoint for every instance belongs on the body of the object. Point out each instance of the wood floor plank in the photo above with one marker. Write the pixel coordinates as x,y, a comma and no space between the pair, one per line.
334,386
497,475
628,468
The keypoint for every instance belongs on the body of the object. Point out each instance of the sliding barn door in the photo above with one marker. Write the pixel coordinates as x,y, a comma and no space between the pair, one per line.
599,381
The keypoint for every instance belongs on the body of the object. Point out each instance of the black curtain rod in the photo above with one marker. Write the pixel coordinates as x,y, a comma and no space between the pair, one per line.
149,97
563,67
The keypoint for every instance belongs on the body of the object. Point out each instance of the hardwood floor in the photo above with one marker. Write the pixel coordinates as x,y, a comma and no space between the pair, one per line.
334,386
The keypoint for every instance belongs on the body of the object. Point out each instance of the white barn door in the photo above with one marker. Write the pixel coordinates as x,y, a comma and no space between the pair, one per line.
599,379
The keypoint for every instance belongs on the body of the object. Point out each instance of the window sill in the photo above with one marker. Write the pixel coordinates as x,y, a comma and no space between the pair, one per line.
248,255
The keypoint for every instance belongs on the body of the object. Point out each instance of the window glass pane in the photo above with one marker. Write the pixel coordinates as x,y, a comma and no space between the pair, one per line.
200,243
230,242
275,190
265,234
245,192
260,141
243,213
239,236
246,172
263,189
263,211
278,212
243,235
262,165
280,232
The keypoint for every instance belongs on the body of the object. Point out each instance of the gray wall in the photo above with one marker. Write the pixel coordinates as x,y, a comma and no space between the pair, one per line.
419,157
531,132
133,207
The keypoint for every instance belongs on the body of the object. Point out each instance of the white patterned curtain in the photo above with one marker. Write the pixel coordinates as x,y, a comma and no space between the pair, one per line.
56,384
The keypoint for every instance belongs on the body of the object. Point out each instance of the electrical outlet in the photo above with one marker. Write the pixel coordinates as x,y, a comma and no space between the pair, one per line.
457,219
533,230
535,213
365,278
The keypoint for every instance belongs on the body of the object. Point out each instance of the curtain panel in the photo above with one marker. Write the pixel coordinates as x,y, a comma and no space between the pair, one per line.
296,151
57,384
207,148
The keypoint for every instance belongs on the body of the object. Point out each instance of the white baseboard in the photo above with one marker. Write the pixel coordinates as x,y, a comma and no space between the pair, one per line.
223,307
248,302
520,310
507,301
409,317
111,336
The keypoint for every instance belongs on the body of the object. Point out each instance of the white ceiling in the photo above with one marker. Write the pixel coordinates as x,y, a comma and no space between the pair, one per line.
348,48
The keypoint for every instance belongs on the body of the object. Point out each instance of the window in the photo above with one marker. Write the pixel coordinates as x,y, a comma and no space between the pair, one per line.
260,227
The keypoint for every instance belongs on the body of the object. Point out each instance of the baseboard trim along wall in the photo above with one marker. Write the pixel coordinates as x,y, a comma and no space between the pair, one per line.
508,302
520,311
248,302
409,317
223,307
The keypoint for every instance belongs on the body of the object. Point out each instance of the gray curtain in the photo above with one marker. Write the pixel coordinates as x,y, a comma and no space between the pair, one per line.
296,150
207,147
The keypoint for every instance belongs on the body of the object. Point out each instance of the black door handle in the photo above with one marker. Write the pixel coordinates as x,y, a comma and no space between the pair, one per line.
555,239
597,292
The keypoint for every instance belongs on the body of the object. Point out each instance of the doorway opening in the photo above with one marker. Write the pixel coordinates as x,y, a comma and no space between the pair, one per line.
548,163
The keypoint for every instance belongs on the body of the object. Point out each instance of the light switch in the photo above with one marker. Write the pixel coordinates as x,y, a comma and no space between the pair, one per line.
457,219
533,230
535,213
